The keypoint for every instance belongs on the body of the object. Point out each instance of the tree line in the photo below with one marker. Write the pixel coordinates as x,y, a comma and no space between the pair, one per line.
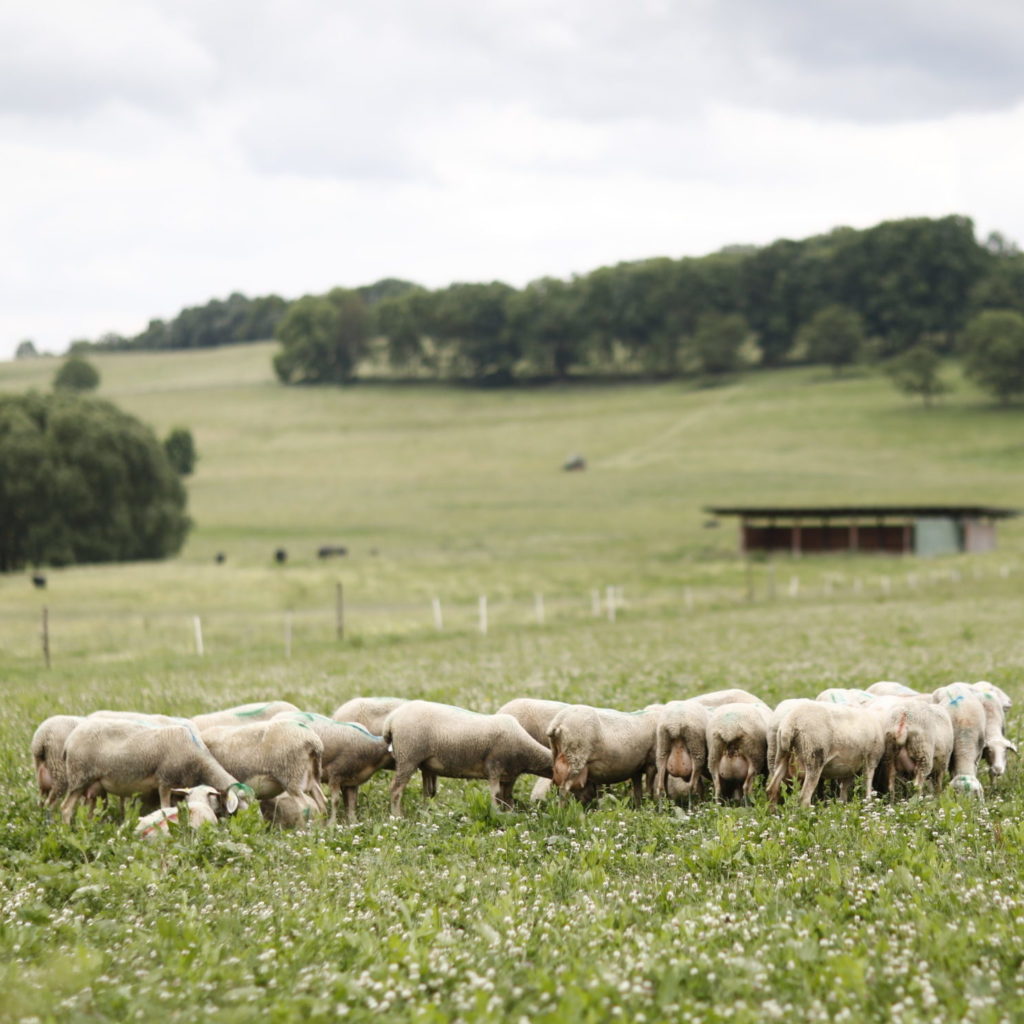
902,290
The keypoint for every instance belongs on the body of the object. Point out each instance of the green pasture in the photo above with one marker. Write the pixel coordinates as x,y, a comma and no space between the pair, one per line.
910,910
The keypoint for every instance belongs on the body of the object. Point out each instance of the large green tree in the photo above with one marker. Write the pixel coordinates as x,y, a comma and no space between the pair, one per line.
833,336
993,348
82,481
717,342
323,337
916,372
471,320
546,317
76,373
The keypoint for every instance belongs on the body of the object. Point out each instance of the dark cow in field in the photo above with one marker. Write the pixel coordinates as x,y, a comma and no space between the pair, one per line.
331,550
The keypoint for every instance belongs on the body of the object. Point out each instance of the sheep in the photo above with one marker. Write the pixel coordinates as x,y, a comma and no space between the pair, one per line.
601,746
285,811
47,749
351,755
830,741
681,748
969,724
461,744
242,714
203,803
128,758
737,738
368,712
849,696
533,714
995,744
272,757
887,688
781,710
984,688
717,698
918,742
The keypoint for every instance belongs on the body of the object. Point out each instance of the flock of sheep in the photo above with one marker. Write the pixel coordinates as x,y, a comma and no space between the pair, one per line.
278,755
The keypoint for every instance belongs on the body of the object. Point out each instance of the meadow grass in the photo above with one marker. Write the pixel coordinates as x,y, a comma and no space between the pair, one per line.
910,910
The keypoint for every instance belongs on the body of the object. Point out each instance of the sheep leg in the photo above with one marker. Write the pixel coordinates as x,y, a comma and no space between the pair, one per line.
67,808
429,784
351,793
748,782
638,788
812,773
335,786
845,790
318,797
774,787
403,773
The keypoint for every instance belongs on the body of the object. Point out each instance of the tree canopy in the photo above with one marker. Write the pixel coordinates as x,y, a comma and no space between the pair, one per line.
323,337
76,374
994,352
82,481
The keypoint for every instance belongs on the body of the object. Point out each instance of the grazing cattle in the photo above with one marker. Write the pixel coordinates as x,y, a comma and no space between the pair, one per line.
280,556
38,580
331,550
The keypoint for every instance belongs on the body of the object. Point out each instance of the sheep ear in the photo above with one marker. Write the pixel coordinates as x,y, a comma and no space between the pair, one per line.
1011,746
231,801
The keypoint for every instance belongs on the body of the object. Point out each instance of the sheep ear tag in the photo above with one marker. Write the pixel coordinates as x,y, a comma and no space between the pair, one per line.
231,801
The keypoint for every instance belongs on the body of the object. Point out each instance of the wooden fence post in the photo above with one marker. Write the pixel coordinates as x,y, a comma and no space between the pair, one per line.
46,635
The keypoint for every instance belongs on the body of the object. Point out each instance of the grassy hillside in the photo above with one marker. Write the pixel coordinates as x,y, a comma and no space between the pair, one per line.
912,910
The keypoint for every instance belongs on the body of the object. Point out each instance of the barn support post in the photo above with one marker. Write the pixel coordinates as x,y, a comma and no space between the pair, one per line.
795,540
854,538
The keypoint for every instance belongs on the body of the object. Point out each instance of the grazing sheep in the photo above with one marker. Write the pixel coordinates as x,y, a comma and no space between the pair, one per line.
599,746
242,714
781,710
887,688
351,755
969,723
831,741
996,744
203,803
533,714
984,688
918,742
128,758
48,756
681,748
461,744
849,696
737,738
368,712
272,757
717,698
286,812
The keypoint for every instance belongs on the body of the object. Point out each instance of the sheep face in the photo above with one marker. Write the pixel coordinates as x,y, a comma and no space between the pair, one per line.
995,754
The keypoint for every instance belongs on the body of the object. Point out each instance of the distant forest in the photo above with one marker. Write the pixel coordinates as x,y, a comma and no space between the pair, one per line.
847,295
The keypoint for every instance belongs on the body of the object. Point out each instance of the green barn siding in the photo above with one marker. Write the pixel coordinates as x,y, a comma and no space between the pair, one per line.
936,536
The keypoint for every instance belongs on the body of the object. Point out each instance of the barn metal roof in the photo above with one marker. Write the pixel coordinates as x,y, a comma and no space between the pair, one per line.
864,511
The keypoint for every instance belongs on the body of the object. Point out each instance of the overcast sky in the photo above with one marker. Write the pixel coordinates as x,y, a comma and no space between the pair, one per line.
154,155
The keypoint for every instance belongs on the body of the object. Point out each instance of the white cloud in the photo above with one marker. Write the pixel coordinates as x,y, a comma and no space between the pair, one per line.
153,156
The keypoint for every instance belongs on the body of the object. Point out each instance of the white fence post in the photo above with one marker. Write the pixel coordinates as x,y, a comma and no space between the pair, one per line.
197,628
435,603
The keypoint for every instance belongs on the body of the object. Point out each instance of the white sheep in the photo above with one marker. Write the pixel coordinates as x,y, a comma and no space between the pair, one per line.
271,757
47,749
986,689
832,741
533,714
203,803
599,746
369,712
128,758
918,742
461,744
737,738
351,755
681,748
995,744
887,688
243,714
775,720
716,698
849,696
967,714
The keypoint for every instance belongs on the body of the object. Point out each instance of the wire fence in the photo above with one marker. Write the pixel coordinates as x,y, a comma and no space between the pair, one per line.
64,633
